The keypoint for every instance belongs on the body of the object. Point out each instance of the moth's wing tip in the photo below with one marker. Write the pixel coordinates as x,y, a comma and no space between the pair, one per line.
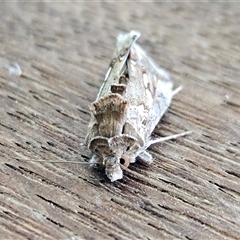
134,34
131,36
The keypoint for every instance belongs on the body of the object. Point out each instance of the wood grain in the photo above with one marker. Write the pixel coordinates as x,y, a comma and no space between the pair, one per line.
191,191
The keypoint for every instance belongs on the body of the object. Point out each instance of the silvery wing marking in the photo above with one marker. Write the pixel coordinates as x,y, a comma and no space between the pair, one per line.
134,96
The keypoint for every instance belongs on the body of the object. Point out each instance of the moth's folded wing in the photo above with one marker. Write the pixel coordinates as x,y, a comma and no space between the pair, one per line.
118,63
155,86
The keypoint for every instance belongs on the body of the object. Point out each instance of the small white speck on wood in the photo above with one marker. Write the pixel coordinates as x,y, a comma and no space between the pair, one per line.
14,69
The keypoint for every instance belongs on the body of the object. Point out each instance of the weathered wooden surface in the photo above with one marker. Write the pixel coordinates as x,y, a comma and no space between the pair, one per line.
191,191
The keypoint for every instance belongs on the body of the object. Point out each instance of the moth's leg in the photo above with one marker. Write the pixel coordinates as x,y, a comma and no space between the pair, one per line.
95,160
145,157
163,139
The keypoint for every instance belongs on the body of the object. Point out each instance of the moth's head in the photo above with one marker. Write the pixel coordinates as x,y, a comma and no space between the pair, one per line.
114,152
119,156
123,147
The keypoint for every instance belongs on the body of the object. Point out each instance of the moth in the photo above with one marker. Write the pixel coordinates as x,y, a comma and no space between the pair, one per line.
132,99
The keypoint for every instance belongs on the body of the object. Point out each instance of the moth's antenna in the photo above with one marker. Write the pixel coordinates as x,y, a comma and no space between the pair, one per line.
177,90
163,139
33,160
